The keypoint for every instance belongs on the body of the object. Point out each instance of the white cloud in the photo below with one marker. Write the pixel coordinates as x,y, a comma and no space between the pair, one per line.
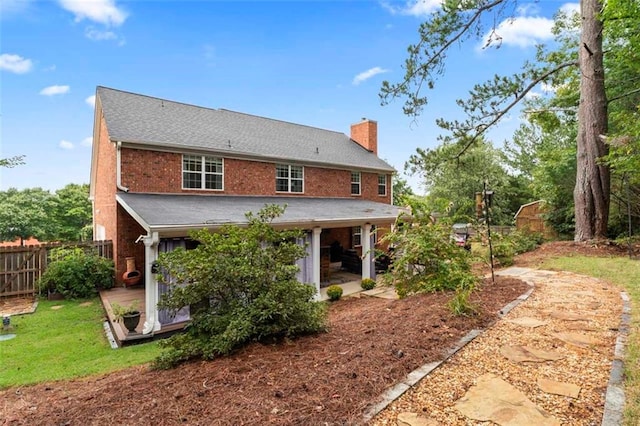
570,8
91,101
521,31
96,35
55,90
102,11
419,8
88,141
363,76
547,88
15,63
65,145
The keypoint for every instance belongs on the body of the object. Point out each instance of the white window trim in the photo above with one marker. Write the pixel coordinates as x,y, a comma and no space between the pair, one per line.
289,179
359,182
385,185
203,173
353,236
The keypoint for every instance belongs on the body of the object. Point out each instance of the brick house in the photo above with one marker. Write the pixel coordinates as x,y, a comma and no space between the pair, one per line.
161,168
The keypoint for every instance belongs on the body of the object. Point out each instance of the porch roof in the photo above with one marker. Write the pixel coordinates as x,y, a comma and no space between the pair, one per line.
174,214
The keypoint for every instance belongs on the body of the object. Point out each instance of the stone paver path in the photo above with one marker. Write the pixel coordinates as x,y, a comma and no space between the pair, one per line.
548,361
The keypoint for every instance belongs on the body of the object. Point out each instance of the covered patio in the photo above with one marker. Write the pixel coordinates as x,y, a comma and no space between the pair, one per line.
168,218
350,284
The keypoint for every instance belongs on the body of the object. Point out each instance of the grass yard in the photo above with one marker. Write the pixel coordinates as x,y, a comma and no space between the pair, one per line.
625,273
63,343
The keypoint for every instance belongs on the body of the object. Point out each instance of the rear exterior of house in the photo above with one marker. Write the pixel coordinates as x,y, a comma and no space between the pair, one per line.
161,168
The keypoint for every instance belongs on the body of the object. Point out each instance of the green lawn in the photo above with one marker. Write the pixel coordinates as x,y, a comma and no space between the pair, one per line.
64,343
625,273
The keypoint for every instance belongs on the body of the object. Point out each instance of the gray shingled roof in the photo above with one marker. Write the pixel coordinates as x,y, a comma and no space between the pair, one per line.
178,211
152,121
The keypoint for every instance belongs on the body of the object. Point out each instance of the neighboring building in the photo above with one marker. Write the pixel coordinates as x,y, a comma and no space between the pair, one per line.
530,218
161,168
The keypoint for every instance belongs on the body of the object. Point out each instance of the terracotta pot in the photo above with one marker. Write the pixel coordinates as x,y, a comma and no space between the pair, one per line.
132,275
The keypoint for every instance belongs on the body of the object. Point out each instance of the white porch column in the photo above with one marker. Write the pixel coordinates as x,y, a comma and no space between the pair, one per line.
367,250
150,284
315,255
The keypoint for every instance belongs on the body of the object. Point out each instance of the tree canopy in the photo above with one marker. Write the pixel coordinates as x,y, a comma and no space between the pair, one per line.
35,212
575,68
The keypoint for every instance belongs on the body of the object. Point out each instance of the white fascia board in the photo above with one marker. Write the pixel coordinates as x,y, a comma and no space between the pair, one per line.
176,230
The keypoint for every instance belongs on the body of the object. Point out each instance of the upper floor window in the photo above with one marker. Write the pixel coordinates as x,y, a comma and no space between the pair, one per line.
289,178
382,184
355,183
202,172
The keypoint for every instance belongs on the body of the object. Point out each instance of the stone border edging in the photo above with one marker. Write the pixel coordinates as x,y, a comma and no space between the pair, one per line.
614,399
421,372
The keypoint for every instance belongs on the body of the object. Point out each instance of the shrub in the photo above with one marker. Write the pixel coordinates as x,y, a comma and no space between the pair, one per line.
526,241
503,249
334,292
506,247
120,311
459,304
367,284
77,274
243,282
425,259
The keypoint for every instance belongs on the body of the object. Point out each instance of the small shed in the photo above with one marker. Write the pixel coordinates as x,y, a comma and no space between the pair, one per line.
529,219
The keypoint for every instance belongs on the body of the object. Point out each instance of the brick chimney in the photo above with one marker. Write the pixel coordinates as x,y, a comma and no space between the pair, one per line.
366,134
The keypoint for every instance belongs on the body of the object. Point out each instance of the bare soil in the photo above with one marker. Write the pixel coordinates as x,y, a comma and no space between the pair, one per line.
330,378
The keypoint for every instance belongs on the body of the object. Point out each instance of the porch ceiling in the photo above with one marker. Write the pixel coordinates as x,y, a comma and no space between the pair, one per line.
176,213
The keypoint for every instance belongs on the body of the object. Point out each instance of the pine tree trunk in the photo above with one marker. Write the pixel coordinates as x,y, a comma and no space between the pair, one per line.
592,191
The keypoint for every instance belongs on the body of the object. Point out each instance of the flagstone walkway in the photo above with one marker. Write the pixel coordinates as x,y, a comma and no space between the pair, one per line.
553,359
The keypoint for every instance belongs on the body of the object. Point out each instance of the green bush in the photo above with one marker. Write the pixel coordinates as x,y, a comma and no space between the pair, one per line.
334,292
460,304
506,247
243,282
425,259
367,284
503,249
76,274
525,241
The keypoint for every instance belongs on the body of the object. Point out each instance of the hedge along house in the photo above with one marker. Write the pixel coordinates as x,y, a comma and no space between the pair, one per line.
160,169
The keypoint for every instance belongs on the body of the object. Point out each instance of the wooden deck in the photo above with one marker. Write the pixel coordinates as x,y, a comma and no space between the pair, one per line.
125,296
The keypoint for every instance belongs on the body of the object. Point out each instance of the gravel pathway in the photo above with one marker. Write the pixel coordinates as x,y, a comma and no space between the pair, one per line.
574,320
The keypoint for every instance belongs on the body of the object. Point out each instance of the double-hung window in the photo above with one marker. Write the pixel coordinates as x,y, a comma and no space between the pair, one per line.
382,184
202,172
289,178
356,236
355,183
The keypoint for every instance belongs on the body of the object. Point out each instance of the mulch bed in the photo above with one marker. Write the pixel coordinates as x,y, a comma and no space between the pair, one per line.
329,378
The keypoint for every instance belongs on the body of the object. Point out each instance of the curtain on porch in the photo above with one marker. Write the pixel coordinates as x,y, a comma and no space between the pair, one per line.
372,247
164,315
305,274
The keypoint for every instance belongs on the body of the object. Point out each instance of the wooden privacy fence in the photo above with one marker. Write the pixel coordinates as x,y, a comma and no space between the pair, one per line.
21,267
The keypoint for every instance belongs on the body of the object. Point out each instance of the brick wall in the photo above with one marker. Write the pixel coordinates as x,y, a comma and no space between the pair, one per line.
153,171
104,204
129,230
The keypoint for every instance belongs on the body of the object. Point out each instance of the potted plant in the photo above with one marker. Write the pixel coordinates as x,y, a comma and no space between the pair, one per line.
129,315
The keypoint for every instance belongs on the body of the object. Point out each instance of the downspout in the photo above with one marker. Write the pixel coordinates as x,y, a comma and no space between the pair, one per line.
119,169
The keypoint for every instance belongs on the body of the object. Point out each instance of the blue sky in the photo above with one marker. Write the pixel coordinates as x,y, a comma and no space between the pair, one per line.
318,63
